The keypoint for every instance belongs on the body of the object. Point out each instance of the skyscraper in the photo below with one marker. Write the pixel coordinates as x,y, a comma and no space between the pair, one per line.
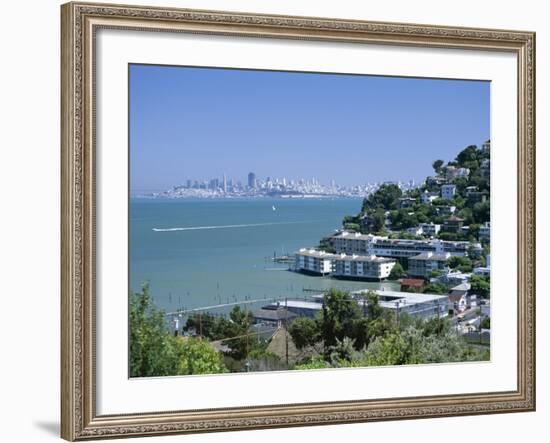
251,180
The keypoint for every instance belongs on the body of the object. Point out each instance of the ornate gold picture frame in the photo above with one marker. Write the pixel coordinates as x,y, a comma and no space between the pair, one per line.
80,22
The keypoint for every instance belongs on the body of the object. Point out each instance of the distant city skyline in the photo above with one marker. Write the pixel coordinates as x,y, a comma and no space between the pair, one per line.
204,123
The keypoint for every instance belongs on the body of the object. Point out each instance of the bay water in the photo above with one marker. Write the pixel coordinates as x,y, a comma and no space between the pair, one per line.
203,252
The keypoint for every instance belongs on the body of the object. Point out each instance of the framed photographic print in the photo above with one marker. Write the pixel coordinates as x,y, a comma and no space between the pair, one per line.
282,221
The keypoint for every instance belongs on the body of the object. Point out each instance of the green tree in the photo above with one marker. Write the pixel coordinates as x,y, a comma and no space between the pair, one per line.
352,227
467,215
314,363
463,264
374,309
412,346
481,212
154,352
339,312
480,286
467,154
434,273
304,332
379,220
397,272
385,197
196,356
151,351
435,288
237,333
437,166
473,232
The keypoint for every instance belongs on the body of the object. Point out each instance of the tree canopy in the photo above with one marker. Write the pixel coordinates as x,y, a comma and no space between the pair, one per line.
154,352
385,197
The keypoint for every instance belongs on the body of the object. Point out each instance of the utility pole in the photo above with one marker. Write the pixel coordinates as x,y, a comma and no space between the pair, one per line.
286,331
397,315
438,319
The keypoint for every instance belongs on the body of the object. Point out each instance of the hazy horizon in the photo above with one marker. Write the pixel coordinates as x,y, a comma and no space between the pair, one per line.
202,123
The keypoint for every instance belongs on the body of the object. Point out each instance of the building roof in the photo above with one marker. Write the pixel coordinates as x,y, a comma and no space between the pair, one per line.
412,282
298,304
394,241
362,258
462,287
273,313
315,253
391,299
431,256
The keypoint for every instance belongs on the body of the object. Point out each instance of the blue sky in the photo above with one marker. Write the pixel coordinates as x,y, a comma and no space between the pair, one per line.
199,123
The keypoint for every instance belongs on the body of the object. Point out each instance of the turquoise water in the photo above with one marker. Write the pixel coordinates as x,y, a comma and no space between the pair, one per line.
197,253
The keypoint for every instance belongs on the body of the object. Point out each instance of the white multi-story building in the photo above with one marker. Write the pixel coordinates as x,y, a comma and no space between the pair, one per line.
422,265
367,244
342,265
362,267
413,304
448,192
313,261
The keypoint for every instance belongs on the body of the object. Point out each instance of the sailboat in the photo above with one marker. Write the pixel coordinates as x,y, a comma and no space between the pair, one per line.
273,207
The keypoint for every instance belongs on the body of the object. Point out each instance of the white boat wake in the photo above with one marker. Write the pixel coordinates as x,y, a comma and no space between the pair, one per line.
250,225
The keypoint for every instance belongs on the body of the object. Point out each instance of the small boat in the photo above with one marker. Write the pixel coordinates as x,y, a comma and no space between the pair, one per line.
273,207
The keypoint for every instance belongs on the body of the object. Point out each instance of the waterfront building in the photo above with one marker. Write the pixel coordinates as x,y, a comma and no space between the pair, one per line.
300,308
423,264
414,304
313,261
430,229
367,244
362,267
448,192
